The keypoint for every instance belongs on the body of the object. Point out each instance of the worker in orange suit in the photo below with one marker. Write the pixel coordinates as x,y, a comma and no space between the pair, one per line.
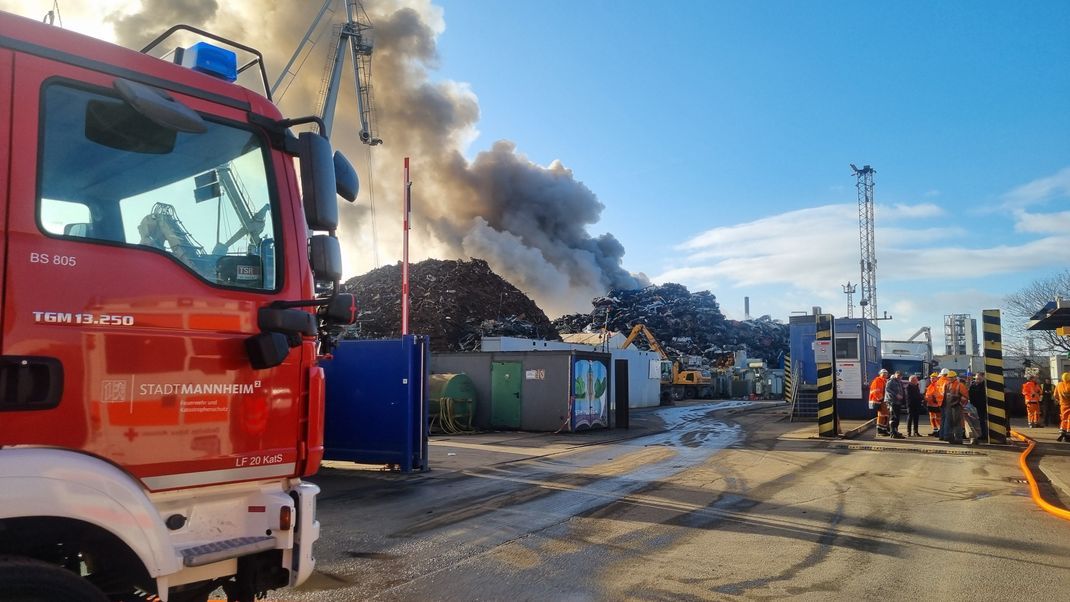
955,396
1062,395
1031,393
933,404
876,402
941,388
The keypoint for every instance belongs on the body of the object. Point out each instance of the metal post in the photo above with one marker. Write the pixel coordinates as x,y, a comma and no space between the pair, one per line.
406,212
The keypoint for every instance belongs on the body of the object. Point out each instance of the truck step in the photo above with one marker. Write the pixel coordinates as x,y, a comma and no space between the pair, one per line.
223,550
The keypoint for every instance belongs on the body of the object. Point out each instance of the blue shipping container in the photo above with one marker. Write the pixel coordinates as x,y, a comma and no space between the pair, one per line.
376,402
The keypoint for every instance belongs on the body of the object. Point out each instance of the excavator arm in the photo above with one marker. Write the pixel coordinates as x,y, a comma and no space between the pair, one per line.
163,226
642,329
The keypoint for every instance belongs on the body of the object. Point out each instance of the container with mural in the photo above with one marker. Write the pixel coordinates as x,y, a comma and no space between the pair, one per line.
590,388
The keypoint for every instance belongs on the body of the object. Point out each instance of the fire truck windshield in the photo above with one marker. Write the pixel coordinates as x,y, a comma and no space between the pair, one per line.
202,198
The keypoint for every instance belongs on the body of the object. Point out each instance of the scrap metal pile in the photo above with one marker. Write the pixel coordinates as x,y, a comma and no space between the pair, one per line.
455,302
685,323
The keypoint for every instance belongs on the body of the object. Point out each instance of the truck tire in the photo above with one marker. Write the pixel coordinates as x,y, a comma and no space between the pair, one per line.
691,392
31,580
677,393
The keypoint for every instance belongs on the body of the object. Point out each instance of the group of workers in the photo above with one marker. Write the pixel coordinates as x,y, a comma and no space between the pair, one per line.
1037,395
958,411
951,405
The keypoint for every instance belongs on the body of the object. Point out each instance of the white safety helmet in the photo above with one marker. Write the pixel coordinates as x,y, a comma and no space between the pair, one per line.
944,372
884,371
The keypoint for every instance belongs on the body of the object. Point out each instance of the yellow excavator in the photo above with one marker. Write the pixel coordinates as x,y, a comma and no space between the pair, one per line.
676,384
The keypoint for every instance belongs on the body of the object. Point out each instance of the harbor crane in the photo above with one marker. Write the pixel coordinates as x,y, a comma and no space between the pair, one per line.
354,34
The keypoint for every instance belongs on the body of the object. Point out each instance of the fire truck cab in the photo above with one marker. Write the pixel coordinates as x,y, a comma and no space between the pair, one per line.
166,293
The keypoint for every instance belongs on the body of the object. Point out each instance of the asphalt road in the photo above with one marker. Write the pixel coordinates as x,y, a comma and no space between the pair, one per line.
716,507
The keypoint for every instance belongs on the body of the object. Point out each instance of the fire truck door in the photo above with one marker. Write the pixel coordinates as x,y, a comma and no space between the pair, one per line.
5,150
142,255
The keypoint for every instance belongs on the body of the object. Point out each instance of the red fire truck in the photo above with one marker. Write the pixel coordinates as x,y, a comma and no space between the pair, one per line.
166,293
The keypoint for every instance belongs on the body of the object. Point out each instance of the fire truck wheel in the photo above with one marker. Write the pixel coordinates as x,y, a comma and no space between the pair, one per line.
31,580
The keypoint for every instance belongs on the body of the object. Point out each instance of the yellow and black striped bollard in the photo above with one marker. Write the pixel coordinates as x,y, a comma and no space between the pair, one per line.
998,424
787,376
827,421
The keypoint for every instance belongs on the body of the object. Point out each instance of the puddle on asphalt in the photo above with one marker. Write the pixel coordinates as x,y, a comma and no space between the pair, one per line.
691,434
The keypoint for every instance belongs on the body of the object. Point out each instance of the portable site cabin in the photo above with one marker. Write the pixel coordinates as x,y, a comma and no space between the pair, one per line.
640,383
856,345
560,391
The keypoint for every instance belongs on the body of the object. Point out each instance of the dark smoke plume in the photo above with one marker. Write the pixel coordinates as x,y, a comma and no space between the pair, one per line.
528,221
137,29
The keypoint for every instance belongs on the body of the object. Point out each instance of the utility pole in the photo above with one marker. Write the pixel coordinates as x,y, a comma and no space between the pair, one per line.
849,290
867,241
406,216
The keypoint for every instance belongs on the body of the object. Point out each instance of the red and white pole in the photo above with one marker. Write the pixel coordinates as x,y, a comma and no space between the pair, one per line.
406,212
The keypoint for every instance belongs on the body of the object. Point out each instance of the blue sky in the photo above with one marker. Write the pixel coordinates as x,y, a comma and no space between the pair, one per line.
718,137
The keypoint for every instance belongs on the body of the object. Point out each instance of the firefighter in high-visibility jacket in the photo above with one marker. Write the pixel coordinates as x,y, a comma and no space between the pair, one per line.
876,402
1031,393
1062,395
933,405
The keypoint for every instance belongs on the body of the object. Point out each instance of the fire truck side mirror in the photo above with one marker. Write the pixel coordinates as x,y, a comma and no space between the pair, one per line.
267,349
325,255
341,309
346,177
318,184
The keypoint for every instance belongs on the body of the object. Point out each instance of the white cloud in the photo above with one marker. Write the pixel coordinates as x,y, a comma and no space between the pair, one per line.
903,211
812,250
939,262
1042,189
1042,223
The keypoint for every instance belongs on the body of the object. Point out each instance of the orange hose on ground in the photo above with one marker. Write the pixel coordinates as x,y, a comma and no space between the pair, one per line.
1034,491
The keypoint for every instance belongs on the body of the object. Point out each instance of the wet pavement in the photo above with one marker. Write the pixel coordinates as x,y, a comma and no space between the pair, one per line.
703,500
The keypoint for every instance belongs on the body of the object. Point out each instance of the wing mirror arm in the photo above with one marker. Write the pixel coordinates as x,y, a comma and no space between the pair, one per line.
283,325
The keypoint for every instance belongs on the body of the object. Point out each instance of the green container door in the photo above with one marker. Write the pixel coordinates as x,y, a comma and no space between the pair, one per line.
505,394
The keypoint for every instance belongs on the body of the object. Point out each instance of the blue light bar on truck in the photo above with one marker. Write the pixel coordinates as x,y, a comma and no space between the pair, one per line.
212,60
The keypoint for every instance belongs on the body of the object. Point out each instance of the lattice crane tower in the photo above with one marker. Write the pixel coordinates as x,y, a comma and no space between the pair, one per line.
867,242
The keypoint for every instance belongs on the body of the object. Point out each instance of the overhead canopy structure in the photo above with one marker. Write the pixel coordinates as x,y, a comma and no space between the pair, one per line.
1055,315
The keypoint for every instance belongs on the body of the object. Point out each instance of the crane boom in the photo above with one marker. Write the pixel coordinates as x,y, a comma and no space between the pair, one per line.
300,47
923,330
354,33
